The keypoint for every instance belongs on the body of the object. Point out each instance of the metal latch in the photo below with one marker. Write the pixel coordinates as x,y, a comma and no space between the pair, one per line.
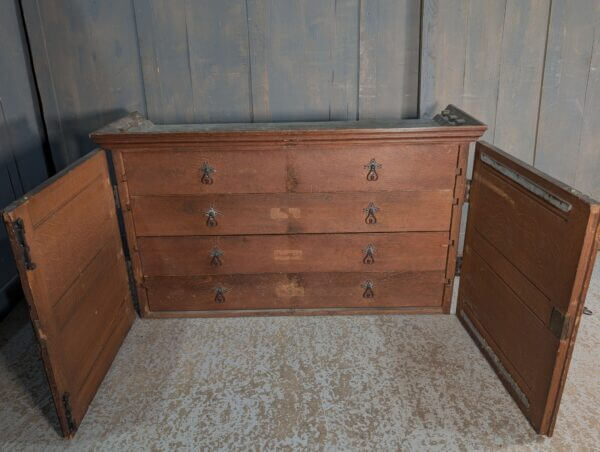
467,197
559,324
19,228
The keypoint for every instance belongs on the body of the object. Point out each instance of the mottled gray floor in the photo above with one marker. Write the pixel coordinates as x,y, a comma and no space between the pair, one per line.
334,383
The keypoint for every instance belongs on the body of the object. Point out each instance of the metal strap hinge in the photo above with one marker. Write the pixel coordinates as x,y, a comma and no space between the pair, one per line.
458,267
559,324
467,190
116,196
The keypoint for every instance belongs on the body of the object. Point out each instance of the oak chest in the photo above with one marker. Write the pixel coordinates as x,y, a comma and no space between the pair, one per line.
304,218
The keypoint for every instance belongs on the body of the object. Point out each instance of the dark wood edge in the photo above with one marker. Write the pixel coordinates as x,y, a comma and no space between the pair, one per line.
537,176
584,275
23,199
8,217
134,129
295,312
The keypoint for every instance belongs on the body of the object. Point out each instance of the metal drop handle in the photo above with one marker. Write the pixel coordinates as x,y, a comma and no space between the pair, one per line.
368,286
369,253
215,255
372,166
207,172
371,210
211,217
220,294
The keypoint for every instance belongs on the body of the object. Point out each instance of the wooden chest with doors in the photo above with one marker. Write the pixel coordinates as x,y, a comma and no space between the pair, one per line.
304,218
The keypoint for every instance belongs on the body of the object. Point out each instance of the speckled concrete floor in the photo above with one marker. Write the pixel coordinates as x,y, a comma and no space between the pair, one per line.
333,383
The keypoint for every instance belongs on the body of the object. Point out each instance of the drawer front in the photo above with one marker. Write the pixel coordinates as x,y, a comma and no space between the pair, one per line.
200,172
352,168
294,290
381,252
346,167
292,213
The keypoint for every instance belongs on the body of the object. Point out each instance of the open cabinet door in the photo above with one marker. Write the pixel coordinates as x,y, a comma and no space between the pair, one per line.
528,257
66,241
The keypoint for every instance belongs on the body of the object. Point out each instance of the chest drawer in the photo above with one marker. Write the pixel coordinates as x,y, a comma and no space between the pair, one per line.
356,168
345,167
201,172
292,213
381,252
294,290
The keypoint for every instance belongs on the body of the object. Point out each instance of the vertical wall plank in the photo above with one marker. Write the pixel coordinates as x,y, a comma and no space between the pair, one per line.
443,45
86,60
22,140
303,58
523,48
389,58
195,60
587,176
565,88
483,55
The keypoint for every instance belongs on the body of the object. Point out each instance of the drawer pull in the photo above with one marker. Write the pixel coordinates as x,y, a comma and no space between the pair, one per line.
220,294
368,286
215,255
211,217
371,210
207,172
369,254
372,166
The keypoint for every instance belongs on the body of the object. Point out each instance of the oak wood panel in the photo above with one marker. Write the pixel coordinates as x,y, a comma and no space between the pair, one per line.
530,240
300,169
526,261
527,346
75,246
302,290
401,252
180,173
292,213
342,168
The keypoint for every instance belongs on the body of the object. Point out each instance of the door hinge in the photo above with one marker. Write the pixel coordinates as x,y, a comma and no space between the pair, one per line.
458,266
66,400
116,196
559,324
467,197
19,228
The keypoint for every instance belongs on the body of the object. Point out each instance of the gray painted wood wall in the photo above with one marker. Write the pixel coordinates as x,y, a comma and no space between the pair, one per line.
22,162
529,68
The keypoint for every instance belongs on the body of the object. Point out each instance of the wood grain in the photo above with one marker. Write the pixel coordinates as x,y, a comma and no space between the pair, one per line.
406,252
292,213
302,290
524,258
301,169
78,291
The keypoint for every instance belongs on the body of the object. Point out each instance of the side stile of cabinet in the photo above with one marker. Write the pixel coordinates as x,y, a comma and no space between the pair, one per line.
456,215
125,206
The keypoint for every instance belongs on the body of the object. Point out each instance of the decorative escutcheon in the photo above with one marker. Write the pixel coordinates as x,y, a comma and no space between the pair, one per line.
372,166
215,255
368,286
211,217
369,252
220,294
207,172
371,210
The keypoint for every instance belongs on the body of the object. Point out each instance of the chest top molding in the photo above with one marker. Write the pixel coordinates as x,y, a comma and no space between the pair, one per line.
133,130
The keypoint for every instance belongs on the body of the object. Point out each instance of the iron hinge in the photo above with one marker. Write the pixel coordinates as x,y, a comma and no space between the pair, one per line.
559,324
19,228
467,190
458,267
116,196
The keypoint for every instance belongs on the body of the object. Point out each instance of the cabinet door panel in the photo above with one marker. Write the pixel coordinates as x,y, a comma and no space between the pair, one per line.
66,241
529,252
